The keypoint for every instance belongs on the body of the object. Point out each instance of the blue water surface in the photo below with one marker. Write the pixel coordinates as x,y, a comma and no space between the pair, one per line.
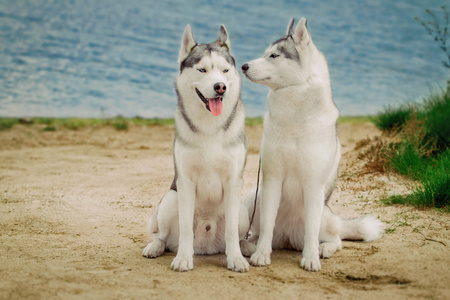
94,58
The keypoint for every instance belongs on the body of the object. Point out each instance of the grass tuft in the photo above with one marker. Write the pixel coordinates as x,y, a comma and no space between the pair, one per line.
422,151
392,119
120,123
49,128
407,160
437,121
434,192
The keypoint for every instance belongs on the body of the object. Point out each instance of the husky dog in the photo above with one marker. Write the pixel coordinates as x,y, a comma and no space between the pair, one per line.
202,213
300,156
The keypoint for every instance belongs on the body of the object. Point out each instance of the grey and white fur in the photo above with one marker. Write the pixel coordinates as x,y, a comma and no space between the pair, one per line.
202,212
300,156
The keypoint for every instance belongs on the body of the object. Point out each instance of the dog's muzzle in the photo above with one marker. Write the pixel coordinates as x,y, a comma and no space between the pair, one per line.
214,105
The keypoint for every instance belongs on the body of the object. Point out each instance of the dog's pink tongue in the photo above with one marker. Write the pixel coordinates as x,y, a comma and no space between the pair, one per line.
215,105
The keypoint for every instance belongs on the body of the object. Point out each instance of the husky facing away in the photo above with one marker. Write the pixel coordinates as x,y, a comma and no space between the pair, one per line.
300,156
202,213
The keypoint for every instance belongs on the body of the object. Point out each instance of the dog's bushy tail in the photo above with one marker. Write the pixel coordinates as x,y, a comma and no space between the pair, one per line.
365,228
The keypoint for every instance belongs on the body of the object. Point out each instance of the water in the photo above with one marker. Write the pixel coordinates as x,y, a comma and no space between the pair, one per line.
93,58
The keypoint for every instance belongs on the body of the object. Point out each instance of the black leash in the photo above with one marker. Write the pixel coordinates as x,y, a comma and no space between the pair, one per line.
256,197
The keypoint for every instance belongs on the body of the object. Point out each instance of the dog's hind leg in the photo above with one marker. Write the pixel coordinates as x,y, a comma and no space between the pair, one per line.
161,224
252,207
330,227
247,248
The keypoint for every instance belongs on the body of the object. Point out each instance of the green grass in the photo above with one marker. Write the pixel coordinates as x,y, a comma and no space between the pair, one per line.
46,121
77,123
392,118
433,189
342,120
54,124
152,122
7,123
423,152
69,123
121,123
437,120
254,121
354,119
407,159
49,128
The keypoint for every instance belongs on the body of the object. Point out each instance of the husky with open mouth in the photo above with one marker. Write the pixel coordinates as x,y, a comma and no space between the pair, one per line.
300,156
202,213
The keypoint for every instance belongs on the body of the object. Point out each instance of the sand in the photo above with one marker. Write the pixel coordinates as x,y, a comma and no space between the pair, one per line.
74,207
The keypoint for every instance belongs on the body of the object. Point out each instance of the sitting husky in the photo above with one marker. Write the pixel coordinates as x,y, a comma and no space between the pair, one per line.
300,156
202,213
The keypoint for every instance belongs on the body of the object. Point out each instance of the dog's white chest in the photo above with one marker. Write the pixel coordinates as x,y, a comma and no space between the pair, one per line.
209,168
209,185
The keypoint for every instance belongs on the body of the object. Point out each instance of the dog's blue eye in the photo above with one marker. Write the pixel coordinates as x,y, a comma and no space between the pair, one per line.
202,70
274,55
225,71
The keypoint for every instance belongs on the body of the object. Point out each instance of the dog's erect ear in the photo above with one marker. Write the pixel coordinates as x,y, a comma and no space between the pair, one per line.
301,34
187,43
290,28
223,39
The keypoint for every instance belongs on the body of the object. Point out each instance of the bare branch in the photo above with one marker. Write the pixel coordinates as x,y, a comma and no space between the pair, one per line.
438,31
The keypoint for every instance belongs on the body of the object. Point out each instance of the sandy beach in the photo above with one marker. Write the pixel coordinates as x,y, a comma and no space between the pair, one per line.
74,207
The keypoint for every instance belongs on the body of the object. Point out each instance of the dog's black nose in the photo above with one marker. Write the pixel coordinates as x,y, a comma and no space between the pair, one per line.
220,88
245,67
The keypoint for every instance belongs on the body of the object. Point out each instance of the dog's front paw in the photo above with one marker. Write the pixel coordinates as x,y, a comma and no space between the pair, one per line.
238,264
247,248
154,249
260,259
182,264
310,263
